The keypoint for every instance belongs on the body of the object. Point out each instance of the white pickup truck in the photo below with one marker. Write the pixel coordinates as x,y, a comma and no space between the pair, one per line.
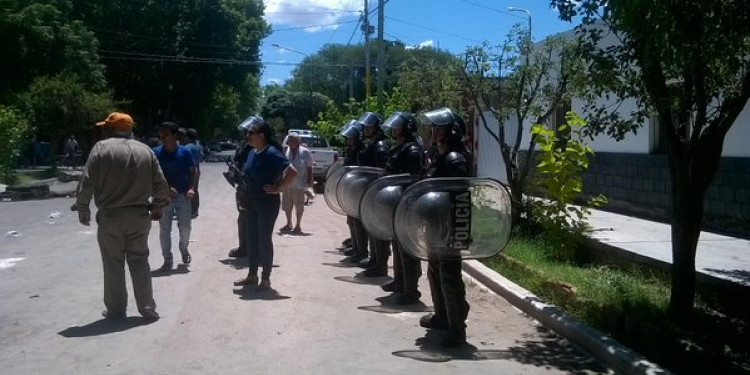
323,155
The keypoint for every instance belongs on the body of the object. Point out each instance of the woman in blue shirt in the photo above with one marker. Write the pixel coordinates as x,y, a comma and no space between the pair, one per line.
266,172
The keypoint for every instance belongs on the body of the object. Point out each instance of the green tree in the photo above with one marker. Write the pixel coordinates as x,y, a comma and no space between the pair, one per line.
170,59
295,108
13,128
429,84
62,105
686,62
522,82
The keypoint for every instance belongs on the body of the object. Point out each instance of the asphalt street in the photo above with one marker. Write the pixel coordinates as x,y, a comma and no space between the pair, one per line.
318,319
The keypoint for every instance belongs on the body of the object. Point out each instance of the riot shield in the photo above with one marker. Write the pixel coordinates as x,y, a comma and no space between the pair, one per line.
333,167
352,186
329,189
449,218
379,202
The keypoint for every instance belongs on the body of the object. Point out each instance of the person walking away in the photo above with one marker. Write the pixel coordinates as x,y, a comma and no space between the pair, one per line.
189,139
450,158
179,169
405,156
122,174
266,173
71,149
294,196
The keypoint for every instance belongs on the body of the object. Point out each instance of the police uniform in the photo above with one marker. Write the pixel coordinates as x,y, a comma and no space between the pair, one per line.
375,154
446,283
239,161
405,158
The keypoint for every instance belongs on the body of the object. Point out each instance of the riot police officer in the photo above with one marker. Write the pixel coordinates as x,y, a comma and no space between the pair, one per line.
374,153
449,157
235,166
404,157
353,134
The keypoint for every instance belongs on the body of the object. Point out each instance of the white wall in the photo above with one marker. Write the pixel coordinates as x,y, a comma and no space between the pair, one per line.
738,137
486,150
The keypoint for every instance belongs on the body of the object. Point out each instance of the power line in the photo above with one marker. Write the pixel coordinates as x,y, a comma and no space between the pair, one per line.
356,27
310,26
492,9
435,30
336,29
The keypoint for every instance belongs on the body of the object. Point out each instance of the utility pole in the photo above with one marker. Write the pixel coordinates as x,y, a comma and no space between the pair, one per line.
366,29
381,55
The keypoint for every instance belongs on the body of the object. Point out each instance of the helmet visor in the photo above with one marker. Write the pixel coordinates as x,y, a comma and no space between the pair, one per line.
352,129
249,123
370,119
438,117
397,120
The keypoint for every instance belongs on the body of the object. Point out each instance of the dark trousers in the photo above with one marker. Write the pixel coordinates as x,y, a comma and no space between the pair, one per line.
261,217
406,270
195,202
448,292
359,238
242,233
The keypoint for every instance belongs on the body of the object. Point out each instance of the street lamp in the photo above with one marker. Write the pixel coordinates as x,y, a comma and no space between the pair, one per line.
310,109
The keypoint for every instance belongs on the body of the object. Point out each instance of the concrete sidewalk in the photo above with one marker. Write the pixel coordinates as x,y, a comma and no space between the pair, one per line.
721,257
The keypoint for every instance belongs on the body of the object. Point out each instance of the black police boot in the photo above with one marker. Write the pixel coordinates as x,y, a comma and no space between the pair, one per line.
393,287
432,321
454,337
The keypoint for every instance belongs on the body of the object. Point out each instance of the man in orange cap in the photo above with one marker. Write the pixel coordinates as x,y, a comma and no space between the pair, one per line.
129,190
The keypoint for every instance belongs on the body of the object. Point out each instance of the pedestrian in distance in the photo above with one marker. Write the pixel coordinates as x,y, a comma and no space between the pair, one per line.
294,197
189,139
71,150
126,182
450,158
266,173
179,169
405,156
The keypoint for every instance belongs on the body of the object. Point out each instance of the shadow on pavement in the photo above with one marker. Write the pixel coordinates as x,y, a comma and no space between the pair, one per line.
341,265
360,279
389,306
431,351
102,327
290,234
334,252
180,270
236,263
549,351
742,275
250,294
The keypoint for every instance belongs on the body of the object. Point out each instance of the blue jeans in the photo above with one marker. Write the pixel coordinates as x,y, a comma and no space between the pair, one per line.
261,218
178,206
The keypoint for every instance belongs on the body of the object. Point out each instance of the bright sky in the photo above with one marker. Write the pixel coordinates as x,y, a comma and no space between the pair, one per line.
307,25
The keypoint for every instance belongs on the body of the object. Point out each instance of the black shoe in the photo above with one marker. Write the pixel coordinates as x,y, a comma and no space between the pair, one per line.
186,258
264,285
235,253
350,252
247,281
347,242
353,259
364,263
431,321
113,315
454,338
167,266
150,315
392,287
407,298
374,272
285,229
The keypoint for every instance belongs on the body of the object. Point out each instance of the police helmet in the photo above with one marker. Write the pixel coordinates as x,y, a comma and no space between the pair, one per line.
352,129
250,122
403,120
371,119
446,117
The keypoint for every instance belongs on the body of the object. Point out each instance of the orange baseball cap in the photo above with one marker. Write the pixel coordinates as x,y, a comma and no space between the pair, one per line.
119,121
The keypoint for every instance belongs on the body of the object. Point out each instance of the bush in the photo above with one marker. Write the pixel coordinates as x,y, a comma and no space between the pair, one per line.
13,128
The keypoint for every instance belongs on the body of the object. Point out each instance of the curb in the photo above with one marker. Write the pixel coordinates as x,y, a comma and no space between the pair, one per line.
602,347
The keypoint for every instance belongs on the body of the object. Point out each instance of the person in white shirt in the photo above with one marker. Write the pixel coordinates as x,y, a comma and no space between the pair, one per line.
294,196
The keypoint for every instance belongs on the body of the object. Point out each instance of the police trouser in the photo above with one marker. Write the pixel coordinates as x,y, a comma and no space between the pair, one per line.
241,233
123,237
359,238
406,270
448,292
379,253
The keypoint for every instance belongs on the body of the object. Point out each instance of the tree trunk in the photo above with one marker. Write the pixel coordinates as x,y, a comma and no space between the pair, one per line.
687,215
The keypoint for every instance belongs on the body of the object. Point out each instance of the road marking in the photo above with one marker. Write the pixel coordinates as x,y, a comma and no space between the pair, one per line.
9,262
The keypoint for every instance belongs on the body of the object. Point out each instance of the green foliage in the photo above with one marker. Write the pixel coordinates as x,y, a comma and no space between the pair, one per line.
564,158
61,105
294,109
429,84
329,122
13,128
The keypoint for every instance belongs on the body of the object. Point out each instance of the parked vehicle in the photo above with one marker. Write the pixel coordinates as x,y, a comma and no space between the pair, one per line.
323,154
